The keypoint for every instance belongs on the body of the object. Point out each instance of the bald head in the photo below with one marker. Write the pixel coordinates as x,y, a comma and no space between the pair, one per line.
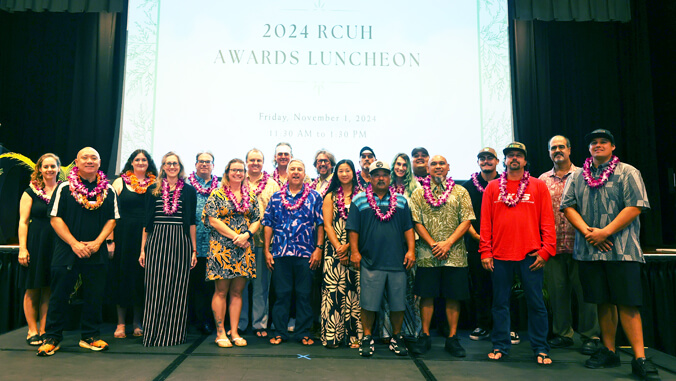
88,162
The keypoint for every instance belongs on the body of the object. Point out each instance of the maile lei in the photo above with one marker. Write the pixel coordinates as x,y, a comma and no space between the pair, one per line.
139,187
475,181
171,206
372,203
523,184
199,188
431,199
42,195
261,184
340,203
243,206
601,181
80,192
301,200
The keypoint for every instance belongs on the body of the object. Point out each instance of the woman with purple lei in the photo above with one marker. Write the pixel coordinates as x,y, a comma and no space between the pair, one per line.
168,252
340,312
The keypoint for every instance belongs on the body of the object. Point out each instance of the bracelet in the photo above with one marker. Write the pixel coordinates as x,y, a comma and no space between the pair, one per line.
250,233
109,241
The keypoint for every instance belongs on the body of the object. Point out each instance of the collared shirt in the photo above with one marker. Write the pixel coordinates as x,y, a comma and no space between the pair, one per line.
599,207
565,231
440,222
201,229
294,231
322,185
263,198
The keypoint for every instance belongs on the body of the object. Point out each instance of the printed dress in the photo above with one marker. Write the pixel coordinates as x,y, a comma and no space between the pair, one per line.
226,260
340,311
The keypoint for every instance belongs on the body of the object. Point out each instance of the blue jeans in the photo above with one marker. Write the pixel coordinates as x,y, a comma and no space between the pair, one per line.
538,325
261,287
289,274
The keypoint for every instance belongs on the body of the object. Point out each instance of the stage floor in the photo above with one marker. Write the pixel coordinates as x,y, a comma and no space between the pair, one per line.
200,359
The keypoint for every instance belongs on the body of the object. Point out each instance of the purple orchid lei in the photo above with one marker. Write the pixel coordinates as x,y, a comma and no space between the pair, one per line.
340,203
523,184
603,179
42,195
431,198
372,203
400,189
261,184
313,185
275,176
80,192
242,207
199,188
301,200
361,183
171,206
475,181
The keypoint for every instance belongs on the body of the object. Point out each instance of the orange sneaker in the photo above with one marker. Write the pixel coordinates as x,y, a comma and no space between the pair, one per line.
94,344
48,347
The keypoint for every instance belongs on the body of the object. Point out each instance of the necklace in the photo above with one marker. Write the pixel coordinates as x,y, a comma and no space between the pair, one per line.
475,180
603,179
340,203
171,206
420,179
42,195
261,184
374,206
139,187
400,189
313,185
242,207
80,192
361,183
199,188
275,176
431,198
297,204
523,183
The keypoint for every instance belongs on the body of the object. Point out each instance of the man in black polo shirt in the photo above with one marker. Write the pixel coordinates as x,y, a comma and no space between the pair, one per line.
383,246
83,211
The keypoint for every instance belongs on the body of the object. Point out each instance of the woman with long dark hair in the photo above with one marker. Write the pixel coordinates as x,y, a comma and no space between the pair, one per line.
168,252
340,312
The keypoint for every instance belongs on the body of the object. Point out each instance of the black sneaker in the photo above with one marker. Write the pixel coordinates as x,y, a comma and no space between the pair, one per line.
561,342
479,334
514,337
453,347
604,358
398,346
423,344
590,346
367,346
644,369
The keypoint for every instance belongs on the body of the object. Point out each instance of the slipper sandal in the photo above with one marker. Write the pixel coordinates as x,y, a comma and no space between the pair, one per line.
541,357
138,332
261,332
307,341
239,341
223,343
495,352
35,340
119,332
278,340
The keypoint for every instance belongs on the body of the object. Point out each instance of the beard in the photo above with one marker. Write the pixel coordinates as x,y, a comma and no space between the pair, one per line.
438,179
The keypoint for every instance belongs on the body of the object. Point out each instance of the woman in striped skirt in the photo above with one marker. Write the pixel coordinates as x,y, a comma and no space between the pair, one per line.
167,254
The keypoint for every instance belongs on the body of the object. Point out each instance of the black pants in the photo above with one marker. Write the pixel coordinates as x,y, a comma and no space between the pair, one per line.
200,293
481,291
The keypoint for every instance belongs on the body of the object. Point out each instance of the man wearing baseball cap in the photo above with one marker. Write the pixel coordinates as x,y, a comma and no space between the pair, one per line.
381,241
603,200
366,158
517,236
420,159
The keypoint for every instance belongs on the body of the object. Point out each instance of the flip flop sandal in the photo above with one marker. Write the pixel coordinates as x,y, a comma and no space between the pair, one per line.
278,340
119,332
307,341
224,343
34,340
503,355
261,332
138,332
541,357
239,341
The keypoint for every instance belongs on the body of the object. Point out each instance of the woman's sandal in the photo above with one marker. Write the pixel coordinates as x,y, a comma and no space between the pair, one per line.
138,332
307,341
261,332
542,357
119,332
34,340
355,344
224,343
239,341
276,340
495,354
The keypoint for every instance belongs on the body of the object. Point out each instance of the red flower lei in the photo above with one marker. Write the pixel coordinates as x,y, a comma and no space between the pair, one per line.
603,179
170,207
430,198
42,195
340,203
374,206
80,192
523,184
301,200
139,187
199,188
261,184
242,207
475,180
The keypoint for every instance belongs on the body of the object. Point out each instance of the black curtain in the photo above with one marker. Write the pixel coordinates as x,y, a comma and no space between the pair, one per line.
572,77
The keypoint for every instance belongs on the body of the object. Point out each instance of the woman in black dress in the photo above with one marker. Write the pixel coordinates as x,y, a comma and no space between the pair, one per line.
36,243
127,275
168,252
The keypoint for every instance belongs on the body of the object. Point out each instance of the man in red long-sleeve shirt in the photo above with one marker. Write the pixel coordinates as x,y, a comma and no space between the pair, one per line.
517,235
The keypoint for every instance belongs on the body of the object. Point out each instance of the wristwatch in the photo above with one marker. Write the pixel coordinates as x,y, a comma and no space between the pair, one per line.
109,241
320,247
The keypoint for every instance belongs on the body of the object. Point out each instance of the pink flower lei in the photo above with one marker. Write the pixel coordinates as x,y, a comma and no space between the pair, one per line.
301,200
400,189
170,207
313,185
475,181
361,183
80,192
261,184
603,179
420,179
372,203
199,188
430,198
275,176
242,207
340,203
42,195
523,184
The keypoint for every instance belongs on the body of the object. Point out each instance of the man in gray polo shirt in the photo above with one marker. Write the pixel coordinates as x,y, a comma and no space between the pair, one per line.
603,201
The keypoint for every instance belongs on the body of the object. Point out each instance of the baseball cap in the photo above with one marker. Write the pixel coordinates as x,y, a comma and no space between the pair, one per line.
379,164
419,149
515,146
487,150
366,149
599,133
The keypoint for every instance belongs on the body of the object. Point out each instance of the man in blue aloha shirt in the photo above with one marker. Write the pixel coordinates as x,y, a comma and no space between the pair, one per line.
294,241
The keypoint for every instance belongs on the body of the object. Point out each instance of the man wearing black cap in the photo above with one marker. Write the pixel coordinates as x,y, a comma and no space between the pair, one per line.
366,158
602,201
421,159
517,236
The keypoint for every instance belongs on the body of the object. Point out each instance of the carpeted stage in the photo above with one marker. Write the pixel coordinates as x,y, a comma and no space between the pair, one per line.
200,359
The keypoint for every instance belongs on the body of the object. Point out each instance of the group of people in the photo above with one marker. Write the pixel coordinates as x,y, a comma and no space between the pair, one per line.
387,240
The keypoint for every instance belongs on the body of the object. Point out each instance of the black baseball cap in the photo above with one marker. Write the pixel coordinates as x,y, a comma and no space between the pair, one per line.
419,149
599,133
366,149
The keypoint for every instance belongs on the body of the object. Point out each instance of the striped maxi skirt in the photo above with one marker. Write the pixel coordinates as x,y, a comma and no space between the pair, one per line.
168,251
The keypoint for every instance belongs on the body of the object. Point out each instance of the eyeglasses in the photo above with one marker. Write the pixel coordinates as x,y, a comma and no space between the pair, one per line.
203,161
236,170
172,164
367,156
323,161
